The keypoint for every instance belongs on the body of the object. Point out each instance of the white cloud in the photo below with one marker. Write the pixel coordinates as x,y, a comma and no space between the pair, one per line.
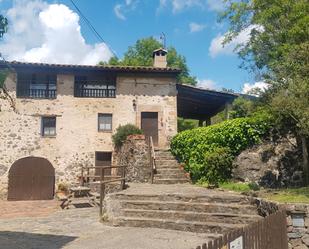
118,13
215,5
179,5
217,48
206,84
254,88
196,27
40,32
125,7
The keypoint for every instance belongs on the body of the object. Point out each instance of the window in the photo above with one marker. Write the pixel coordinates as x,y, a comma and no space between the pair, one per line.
104,122
48,126
95,87
37,85
103,159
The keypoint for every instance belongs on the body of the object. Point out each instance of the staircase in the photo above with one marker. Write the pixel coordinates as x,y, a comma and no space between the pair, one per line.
180,207
168,170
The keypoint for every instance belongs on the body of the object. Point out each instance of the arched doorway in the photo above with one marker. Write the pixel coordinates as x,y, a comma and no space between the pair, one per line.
31,178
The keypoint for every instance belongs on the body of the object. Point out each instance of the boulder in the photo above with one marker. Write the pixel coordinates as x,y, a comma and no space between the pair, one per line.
271,164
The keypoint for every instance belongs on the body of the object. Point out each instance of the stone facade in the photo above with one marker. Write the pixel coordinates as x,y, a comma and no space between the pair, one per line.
77,137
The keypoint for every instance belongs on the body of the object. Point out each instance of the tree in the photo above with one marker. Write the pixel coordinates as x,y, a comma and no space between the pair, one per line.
278,51
140,54
3,29
3,25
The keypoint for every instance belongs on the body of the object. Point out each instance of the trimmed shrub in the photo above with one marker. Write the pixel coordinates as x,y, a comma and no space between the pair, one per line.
123,131
191,146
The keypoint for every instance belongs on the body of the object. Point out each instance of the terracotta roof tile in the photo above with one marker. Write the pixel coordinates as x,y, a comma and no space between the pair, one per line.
97,67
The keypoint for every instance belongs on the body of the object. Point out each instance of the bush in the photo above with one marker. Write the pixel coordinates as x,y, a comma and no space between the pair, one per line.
123,131
217,167
191,146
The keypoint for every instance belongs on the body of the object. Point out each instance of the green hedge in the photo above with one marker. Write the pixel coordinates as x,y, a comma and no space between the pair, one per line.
237,134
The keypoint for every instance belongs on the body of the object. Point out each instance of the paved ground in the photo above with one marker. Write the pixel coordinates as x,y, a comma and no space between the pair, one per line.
41,225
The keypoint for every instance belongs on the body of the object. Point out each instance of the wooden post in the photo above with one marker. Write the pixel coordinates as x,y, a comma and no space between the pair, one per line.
208,121
102,191
82,177
150,160
123,181
88,173
200,123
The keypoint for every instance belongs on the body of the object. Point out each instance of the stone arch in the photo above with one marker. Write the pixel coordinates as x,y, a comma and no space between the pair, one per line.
31,178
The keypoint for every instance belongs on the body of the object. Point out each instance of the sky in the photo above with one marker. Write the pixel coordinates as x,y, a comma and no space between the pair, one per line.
52,31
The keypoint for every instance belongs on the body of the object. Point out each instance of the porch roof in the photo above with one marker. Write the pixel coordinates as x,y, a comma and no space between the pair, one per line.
197,103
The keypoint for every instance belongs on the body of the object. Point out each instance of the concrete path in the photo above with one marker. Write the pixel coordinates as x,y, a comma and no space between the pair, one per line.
80,229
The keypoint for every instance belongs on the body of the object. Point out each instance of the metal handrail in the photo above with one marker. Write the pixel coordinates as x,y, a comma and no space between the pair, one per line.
152,158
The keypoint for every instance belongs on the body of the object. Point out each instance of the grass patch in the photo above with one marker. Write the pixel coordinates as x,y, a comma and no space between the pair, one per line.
235,186
290,195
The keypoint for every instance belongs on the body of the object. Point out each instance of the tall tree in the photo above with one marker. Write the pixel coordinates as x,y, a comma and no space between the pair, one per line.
278,50
3,29
3,25
140,54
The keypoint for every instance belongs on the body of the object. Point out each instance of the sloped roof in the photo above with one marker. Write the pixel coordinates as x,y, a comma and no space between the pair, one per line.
197,103
67,67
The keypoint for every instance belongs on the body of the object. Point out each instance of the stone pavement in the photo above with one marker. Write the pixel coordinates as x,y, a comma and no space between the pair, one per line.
16,209
51,228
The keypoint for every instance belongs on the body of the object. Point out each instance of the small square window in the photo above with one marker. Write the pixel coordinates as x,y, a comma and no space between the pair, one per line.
48,126
104,122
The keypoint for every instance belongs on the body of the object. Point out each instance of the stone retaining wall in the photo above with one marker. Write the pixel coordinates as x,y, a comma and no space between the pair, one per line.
298,225
134,154
297,221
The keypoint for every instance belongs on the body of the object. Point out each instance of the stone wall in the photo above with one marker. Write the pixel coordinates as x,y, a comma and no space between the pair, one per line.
77,136
271,164
135,155
298,225
297,221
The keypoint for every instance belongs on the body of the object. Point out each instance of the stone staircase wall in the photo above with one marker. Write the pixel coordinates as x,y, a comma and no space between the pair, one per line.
212,214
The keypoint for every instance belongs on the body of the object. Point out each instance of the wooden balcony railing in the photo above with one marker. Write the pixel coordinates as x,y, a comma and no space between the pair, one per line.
95,93
37,93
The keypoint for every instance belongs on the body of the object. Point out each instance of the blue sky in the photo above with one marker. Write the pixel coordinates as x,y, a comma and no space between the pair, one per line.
190,26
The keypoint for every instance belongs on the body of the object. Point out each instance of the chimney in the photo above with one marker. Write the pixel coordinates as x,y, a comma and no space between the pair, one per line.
159,58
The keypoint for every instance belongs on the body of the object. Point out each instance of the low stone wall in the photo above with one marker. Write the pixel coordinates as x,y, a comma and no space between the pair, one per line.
297,221
134,154
298,225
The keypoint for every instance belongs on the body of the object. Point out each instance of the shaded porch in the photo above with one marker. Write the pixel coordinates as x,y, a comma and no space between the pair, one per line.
202,104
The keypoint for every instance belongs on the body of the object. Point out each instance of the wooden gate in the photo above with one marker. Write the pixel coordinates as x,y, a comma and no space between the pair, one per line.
149,125
31,178
269,233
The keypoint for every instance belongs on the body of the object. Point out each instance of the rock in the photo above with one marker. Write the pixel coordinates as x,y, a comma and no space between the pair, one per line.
271,164
305,239
3,169
301,247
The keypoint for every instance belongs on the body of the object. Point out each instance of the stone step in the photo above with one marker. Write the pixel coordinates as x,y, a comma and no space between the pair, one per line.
165,157
192,198
189,206
170,180
172,162
178,175
188,226
170,171
163,152
192,216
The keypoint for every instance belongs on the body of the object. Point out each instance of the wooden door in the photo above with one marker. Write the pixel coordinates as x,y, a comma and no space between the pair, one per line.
103,159
149,125
31,178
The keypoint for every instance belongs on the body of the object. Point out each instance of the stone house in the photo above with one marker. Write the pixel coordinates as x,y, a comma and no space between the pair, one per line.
60,117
